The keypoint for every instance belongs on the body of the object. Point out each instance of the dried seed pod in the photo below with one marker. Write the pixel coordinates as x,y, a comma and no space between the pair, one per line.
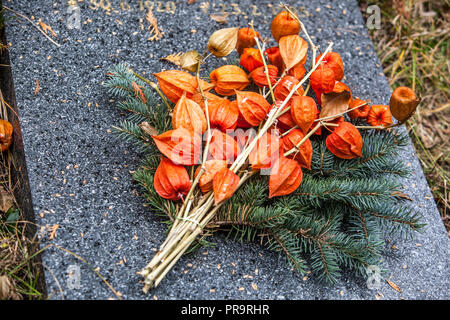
259,76
189,115
198,98
284,87
334,62
322,79
285,121
303,112
345,141
305,151
225,183
341,87
266,151
403,103
251,59
361,112
285,177
246,39
223,147
284,24
223,114
274,56
298,71
379,115
171,181
252,106
189,61
293,50
223,41
6,131
180,145
211,167
229,78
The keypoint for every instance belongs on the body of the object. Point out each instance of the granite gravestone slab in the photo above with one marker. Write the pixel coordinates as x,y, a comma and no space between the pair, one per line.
79,171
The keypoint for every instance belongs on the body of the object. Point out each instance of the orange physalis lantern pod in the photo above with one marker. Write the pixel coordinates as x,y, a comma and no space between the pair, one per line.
259,76
197,97
6,131
229,78
284,24
223,146
379,115
285,177
345,141
266,152
304,153
180,145
171,181
341,87
189,115
359,113
246,39
225,183
223,114
274,56
211,167
403,103
303,112
174,83
322,80
284,87
293,50
251,59
334,62
252,106
285,121
298,71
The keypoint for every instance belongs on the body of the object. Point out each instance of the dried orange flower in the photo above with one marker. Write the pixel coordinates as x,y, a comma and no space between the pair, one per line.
322,80
305,151
334,62
284,24
284,87
223,114
189,115
379,115
361,112
403,103
274,56
6,131
171,181
293,50
180,145
225,183
246,39
252,106
223,146
211,167
303,112
251,59
259,76
345,141
285,178
229,78
266,152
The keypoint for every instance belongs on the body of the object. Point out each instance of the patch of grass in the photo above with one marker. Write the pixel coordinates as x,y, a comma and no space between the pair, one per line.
413,45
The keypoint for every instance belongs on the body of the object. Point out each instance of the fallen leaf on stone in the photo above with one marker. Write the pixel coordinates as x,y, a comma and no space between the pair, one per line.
394,286
219,18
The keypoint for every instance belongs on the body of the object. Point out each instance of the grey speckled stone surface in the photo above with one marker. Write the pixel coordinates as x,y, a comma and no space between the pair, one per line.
79,171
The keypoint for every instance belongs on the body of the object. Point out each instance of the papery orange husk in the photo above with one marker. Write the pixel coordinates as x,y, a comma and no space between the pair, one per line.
241,123
303,112
252,106
180,145
246,39
228,78
222,146
225,183
403,103
6,131
223,114
285,121
379,115
284,24
267,150
318,132
345,141
189,115
211,167
241,136
359,113
284,87
174,83
285,177
305,151
197,97
322,79
259,76
298,71
333,60
251,59
274,56
171,181
293,50
340,87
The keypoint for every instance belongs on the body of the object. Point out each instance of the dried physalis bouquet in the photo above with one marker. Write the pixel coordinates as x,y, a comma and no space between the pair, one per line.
275,146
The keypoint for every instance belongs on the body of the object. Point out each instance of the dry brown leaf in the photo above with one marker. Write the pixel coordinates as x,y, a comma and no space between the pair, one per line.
6,199
148,129
219,18
334,104
293,50
46,28
7,289
174,58
38,87
394,286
